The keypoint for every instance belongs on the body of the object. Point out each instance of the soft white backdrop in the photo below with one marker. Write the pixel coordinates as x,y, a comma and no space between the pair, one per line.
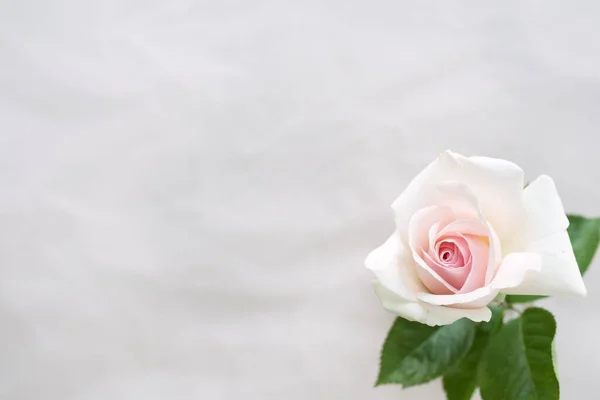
188,188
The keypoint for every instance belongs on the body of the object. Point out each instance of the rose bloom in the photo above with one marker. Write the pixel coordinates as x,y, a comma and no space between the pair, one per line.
467,230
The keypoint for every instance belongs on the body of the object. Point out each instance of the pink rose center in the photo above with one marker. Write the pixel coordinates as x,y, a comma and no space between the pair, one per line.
450,255
453,253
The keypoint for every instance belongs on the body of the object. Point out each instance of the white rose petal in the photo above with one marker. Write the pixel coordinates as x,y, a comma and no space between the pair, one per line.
545,234
384,262
427,313
469,220
497,184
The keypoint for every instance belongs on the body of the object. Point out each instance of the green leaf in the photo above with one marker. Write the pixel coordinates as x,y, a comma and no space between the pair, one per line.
585,237
460,381
554,362
414,353
517,363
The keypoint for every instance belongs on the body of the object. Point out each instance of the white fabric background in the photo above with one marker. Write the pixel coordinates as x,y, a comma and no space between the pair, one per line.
188,189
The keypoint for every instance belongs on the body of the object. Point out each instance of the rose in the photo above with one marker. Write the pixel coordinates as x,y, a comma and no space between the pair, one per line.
466,230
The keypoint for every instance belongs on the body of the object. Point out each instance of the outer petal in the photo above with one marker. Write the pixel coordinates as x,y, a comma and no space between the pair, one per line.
394,268
514,269
497,184
544,212
545,234
411,310
477,298
559,273
427,313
